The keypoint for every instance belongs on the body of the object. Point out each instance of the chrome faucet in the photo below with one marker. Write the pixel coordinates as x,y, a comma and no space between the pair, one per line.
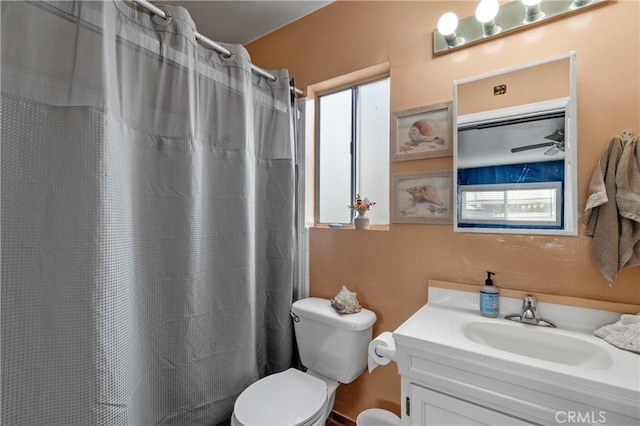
529,315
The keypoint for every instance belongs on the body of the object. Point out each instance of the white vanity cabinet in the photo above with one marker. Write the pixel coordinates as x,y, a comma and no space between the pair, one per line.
429,407
436,392
447,379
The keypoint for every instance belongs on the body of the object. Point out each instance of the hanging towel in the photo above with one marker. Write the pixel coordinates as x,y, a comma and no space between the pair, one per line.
616,236
628,201
624,334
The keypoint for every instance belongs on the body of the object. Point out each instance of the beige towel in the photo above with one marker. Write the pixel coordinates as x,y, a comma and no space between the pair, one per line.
628,201
616,234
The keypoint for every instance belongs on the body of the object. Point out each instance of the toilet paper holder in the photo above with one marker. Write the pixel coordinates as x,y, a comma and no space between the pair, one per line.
381,350
386,352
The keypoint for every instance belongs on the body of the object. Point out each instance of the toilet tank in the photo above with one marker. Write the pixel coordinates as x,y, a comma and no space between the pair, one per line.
332,344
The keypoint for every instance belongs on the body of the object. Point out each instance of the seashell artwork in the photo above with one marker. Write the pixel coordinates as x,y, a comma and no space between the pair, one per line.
423,131
423,197
425,193
345,302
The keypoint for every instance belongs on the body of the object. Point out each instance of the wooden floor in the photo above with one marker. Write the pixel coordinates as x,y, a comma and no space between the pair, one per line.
336,419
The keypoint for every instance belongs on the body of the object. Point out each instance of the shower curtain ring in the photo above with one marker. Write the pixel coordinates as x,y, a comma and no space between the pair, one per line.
159,20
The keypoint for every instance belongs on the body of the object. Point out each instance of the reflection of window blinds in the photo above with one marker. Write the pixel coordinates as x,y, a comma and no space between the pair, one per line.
485,196
513,195
531,194
511,204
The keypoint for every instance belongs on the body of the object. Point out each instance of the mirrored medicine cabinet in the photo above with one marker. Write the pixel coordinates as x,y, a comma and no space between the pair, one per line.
515,156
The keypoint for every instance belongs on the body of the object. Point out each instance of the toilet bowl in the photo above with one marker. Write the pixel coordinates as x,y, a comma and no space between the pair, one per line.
332,346
287,398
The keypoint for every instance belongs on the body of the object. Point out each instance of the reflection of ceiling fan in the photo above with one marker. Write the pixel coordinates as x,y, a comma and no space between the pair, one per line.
556,146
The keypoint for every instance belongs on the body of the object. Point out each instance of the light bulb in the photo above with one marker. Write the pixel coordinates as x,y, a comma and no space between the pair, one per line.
447,24
486,13
579,3
532,11
487,10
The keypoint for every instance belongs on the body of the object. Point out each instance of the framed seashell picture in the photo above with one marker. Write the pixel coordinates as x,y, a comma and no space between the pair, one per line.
423,197
423,132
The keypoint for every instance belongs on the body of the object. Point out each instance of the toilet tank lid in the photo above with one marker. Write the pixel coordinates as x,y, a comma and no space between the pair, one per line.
321,310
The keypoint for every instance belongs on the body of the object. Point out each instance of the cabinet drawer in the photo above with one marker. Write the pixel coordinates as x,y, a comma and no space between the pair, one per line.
432,408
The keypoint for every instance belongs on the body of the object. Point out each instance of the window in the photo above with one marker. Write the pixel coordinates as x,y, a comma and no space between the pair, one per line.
353,152
523,204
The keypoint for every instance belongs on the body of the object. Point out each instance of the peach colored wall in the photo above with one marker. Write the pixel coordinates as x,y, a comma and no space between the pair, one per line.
533,84
389,269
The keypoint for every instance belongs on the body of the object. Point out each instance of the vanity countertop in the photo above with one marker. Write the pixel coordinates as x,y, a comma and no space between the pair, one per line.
439,328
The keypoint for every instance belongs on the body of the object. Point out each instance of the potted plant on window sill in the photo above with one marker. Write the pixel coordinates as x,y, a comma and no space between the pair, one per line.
361,207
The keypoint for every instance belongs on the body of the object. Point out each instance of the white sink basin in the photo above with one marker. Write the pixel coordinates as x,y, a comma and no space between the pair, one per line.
529,372
537,342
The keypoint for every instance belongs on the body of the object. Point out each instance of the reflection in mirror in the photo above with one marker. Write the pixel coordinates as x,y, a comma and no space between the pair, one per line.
515,166
511,172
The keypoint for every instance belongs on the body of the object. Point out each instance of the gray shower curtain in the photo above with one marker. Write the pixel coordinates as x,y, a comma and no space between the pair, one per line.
147,219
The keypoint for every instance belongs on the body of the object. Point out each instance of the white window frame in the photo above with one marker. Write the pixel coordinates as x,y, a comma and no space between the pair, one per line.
355,160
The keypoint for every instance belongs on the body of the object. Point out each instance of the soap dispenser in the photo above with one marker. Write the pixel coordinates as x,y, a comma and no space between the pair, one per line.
489,306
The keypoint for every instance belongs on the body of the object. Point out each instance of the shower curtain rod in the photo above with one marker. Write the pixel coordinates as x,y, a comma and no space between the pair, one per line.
212,44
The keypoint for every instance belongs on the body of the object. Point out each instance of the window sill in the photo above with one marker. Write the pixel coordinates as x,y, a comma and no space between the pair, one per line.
349,226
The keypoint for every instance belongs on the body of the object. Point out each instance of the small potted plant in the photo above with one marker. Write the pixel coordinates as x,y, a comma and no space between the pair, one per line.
361,207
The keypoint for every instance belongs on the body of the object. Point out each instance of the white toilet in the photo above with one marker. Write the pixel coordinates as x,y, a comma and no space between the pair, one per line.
332,346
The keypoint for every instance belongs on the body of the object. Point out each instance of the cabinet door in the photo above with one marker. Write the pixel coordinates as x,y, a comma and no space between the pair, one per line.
431,408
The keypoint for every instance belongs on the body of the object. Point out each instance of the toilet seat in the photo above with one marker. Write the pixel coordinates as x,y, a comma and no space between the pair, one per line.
290,398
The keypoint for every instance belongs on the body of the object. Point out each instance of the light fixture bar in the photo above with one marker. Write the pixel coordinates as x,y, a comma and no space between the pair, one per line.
511,17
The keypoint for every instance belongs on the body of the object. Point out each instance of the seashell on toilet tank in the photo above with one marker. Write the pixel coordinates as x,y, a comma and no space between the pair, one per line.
346,302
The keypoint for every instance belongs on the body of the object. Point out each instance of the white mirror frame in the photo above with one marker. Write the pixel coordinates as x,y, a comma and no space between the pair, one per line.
568,104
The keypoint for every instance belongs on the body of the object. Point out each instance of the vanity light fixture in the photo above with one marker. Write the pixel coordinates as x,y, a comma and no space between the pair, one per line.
486,12
493,19
447,25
